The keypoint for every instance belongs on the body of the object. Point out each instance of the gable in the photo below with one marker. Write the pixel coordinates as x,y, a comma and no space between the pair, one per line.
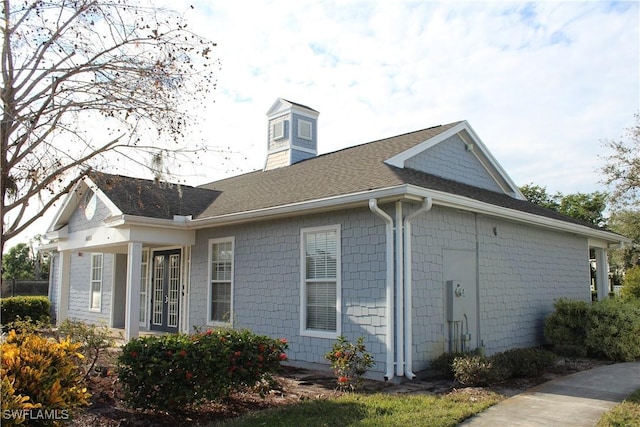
451,159
460,155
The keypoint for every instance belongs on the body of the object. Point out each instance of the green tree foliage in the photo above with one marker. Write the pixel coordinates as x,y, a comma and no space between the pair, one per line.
538,195
627,223
588,207
92,84
622,167
17,263
631,284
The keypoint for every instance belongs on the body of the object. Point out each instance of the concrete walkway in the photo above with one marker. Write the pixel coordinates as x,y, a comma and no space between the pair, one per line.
576,400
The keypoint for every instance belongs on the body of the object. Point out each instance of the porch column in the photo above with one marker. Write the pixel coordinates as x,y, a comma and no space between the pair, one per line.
602,274
132,309
64,283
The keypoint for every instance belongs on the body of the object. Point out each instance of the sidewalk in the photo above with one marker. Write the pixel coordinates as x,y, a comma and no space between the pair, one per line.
576,400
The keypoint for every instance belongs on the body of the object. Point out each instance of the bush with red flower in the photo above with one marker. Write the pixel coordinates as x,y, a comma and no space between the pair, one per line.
349,362
172,371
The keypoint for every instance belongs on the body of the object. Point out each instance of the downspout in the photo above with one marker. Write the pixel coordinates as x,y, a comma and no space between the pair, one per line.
399,291
373,206
408,321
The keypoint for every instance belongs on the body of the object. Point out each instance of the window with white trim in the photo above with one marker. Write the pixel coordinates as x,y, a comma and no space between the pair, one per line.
144,284
221,280
95,285
304,129
278,130
320,293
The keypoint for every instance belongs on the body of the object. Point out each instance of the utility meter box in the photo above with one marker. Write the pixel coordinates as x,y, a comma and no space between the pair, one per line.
455,300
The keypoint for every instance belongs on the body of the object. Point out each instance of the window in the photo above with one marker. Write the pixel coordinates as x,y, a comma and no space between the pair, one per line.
304,129
96,282
221,280
278,130
144,283
320,294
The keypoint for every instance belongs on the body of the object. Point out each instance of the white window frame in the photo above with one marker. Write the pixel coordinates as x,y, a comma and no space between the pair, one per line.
145,287
301,135
99,267
278,130
211,281
303,283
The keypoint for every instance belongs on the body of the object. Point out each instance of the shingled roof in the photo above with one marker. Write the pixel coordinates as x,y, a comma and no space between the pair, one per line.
351,170
152,199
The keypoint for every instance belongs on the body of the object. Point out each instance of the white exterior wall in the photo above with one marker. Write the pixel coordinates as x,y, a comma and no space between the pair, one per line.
267,281
522,270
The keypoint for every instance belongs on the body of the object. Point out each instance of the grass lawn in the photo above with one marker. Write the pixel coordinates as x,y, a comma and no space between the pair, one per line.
375,410
626,414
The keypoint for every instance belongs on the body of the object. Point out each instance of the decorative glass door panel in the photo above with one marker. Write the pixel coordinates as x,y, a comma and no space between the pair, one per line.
165,298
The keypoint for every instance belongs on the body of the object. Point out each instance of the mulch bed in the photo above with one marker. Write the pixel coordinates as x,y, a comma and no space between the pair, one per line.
293,386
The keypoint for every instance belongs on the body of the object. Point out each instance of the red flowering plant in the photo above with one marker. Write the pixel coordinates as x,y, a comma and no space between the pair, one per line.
349,362
172,371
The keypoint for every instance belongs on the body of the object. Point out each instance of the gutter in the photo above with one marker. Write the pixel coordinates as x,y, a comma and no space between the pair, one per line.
373,206
408,300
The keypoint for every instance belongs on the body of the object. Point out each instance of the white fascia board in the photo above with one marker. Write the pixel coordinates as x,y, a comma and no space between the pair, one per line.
72,200
399,159
441,198
319,205
180,223
493,161
105,237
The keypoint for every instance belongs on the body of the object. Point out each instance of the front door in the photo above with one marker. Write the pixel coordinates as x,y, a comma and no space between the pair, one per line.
165,292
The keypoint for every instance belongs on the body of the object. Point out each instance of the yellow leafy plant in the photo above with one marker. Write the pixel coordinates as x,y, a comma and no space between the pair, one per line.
41,373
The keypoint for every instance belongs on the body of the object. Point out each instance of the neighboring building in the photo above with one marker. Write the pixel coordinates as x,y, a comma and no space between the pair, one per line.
421,243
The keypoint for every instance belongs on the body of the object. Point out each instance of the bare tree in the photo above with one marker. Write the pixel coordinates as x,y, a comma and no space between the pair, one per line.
88,84
622,167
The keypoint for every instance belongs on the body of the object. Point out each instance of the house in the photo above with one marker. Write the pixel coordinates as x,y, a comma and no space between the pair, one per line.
421,243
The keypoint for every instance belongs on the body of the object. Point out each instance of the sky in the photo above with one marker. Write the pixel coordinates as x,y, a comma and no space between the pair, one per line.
541,83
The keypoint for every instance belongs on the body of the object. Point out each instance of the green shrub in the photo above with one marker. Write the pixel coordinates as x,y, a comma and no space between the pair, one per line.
631,284
171,371
478,370
524,362
32,308
349,362
443,364
613,330
43,370
565,328
94,340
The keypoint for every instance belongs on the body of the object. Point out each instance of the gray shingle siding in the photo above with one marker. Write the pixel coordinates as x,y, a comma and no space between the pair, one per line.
267,280
79,222
451,160
301,142
54,275
79,289
522,270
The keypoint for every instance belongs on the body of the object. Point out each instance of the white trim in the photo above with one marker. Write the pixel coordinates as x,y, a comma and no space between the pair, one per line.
232,240
147,300
399,159
303,282
305,149
411,191
91,281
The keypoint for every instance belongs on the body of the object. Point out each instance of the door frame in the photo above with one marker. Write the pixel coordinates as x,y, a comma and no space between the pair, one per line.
164,327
